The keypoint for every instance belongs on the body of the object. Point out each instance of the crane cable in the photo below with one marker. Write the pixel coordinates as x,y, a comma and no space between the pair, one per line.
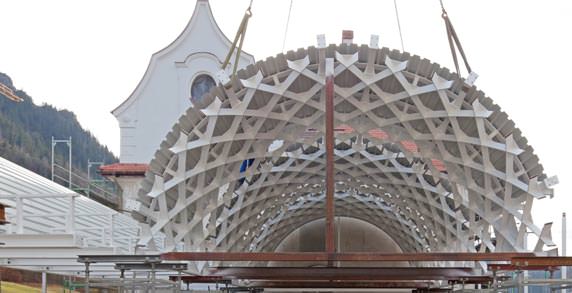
454,41
287,25
240,34
398,24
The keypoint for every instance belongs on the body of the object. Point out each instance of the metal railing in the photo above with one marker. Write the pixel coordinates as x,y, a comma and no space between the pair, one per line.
103,190
100,227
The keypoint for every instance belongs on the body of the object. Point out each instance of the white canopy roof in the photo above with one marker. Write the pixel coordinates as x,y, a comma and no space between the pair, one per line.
49,208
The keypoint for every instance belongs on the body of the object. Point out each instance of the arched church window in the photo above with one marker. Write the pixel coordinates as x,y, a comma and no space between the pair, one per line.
201,85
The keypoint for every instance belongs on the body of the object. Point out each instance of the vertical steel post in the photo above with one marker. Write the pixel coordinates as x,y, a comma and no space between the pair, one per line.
179,284
70,220
330,200
19,215
88,178
153,289
69,144
111,229
122,280
70,164
87,277
133,283
44,282
53,146
338,237
89,165
520,282
564,270
525,273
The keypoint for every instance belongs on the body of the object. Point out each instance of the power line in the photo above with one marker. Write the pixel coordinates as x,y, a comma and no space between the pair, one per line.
398,25
287,25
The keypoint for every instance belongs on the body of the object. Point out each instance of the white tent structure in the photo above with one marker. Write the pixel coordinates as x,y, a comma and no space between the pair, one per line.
50,225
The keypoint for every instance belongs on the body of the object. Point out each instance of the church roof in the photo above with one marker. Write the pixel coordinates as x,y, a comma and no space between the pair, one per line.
124,169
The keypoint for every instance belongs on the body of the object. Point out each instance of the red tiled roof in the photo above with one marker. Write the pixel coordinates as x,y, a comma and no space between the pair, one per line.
124,169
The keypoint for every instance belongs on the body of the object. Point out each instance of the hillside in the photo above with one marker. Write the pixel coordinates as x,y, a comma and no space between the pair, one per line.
26,131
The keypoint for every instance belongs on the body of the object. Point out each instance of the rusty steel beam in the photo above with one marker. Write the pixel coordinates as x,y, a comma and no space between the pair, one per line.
358,256
330,228
344,273
511,267
345,284
542,261
473,280
200,279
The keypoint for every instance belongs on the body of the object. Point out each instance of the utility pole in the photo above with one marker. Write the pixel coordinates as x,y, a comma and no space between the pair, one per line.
69,144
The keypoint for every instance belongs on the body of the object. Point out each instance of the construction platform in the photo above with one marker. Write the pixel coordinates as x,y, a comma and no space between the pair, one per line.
247,271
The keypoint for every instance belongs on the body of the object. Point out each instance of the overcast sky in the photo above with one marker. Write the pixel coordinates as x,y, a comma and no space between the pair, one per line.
87,56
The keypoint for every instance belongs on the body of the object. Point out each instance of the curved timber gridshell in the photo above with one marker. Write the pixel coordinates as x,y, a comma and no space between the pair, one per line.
428,159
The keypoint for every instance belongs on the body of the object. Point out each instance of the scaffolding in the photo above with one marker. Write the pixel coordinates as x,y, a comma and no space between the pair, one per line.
103,190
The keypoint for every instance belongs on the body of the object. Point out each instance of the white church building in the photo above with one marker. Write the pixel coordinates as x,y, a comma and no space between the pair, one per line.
176,76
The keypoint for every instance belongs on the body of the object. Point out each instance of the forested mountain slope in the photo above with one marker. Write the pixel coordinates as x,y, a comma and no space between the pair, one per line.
26,131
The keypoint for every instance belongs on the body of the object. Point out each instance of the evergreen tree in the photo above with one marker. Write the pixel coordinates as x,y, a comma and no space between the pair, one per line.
26,131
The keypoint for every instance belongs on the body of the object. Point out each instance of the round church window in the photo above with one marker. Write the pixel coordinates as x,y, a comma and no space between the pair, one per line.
202,84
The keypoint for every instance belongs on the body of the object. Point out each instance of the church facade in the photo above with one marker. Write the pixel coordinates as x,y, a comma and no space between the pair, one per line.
176,76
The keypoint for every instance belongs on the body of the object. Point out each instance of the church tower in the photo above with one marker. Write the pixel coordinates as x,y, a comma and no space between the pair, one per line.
176,76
